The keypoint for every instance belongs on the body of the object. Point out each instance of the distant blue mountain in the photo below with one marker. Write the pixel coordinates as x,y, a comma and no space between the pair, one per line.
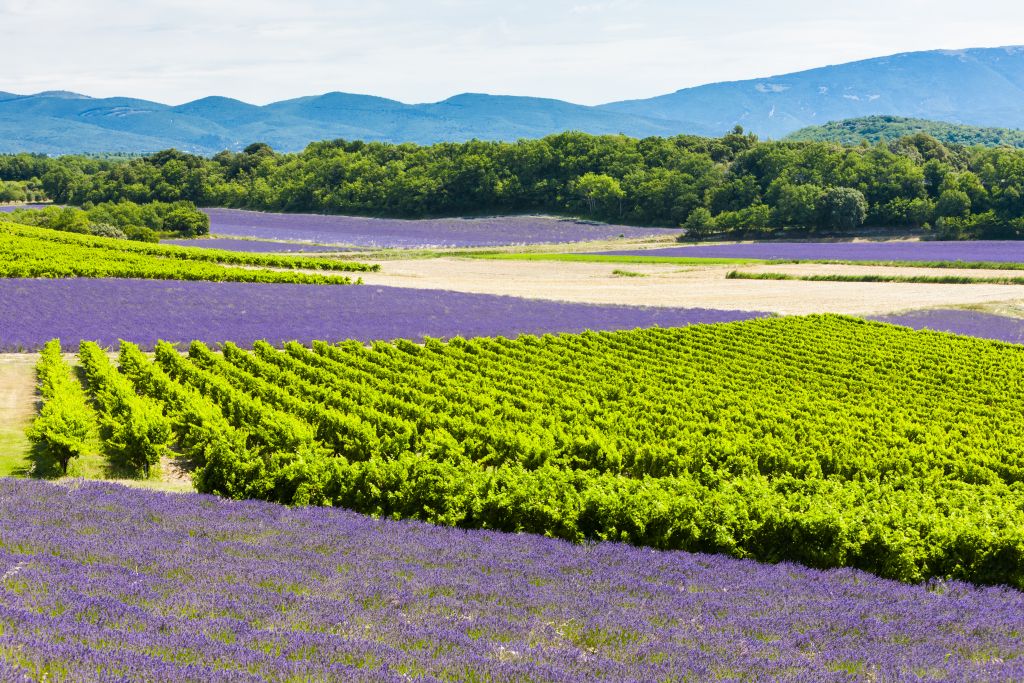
982,87
60,123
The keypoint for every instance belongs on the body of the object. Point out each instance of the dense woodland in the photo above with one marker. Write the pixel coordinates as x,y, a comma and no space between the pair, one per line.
875,129
120,220
731,184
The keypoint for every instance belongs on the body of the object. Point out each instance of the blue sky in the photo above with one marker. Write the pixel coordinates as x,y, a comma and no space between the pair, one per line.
418,51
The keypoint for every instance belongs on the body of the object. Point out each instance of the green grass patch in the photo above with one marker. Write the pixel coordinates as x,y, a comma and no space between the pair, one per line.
919,279
965,265
627,273
14,449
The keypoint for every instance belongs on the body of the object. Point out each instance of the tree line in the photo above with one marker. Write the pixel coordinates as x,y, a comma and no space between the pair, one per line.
732,184
120,220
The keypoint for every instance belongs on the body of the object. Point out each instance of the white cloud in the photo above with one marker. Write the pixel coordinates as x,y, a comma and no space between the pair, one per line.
264,50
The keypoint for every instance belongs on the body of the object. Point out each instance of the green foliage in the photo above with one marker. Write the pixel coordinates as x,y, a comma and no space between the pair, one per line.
135,431
602,193
700,223
953,204
39,252
837,277
141,222
875,129
653,181
825,440
843,208
64,425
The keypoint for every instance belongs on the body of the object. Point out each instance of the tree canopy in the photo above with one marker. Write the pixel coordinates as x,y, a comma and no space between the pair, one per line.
745,184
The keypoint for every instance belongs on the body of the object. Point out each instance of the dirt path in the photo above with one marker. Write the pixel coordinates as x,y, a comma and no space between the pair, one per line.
692,286
17,406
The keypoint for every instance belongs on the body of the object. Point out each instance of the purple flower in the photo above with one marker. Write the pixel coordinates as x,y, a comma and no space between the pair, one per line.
33,311
437,232
102,582
995,251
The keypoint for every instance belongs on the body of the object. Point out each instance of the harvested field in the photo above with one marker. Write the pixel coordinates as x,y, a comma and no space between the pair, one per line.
688,287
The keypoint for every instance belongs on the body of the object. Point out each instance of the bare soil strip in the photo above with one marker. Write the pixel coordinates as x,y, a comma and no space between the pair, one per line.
17,406
694,286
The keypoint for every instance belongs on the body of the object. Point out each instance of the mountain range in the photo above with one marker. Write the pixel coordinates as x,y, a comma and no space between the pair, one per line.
981,86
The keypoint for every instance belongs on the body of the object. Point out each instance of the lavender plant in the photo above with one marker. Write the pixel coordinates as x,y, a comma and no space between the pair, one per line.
104,583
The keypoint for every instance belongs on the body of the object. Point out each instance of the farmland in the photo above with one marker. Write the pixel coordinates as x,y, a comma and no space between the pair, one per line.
449,232
145,311
570,436
911,251
251,245
513,446
194,588
972,323
42,253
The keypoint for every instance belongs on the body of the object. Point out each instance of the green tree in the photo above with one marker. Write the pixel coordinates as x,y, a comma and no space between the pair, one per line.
796,205
953,204
698,224
600,192
188,222
843,208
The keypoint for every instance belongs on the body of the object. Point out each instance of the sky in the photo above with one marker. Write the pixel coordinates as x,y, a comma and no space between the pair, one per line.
588,52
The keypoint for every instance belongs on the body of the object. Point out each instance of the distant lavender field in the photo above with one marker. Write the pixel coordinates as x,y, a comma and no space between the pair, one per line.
106,583
251,246
437,232
970,323
1001,251
10,208
144,311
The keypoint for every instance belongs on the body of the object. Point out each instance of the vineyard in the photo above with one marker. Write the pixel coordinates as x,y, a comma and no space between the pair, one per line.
825,440
31,252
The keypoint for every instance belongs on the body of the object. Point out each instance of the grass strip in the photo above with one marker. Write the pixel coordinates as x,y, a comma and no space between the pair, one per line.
920,279
611,258
965,265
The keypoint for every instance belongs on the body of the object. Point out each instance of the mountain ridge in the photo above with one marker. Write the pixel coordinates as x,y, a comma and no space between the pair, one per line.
974,86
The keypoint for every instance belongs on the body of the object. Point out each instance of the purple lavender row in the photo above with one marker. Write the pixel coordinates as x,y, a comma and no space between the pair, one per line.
996,251
958,321
11,207
251,246
137,585
439,232
32,311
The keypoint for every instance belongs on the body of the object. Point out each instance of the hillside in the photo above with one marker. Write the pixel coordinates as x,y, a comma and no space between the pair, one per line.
69,123
982,87
883,128
979,87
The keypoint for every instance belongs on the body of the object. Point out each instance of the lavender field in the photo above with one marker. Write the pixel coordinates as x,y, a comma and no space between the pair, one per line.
438,232
137,585
959,321
994,251
33,311
250,246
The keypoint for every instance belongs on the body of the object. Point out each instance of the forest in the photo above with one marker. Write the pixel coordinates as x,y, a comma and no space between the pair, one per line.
733,184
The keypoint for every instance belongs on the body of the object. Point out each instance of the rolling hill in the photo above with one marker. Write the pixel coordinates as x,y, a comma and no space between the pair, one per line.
66,123
883,128
979,87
